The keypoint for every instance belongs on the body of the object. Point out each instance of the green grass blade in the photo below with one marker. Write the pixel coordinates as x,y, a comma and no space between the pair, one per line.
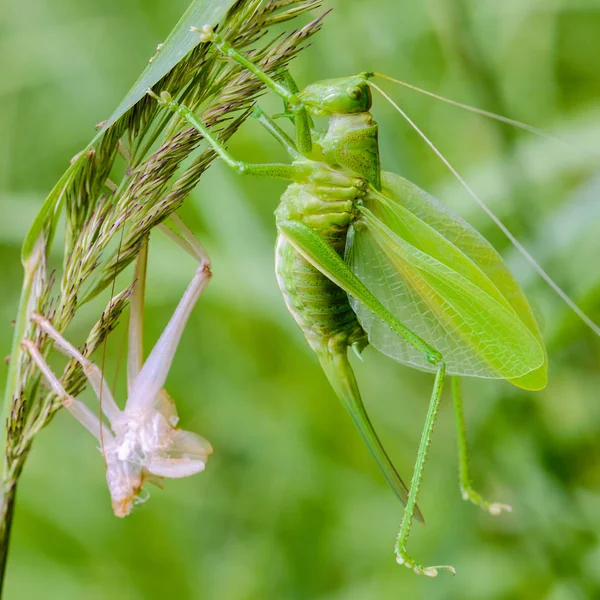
50,209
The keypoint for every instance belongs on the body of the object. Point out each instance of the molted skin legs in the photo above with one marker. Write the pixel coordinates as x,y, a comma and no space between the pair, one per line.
79,410
153,374
91,371
144,444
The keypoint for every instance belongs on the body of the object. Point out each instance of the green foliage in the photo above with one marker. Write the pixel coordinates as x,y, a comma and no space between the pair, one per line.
168,54
291,505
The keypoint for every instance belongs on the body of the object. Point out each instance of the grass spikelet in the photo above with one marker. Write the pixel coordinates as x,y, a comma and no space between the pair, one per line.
128,182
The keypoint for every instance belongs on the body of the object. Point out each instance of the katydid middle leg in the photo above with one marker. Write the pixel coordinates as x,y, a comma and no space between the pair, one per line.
259,115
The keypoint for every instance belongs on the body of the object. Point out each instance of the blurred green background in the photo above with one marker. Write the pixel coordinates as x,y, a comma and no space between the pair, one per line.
291,505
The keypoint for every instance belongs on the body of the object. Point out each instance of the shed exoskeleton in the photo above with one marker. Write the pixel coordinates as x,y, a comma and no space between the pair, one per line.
141,442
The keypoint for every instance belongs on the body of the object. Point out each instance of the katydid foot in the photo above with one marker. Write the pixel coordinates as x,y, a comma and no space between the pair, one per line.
402,558
494,508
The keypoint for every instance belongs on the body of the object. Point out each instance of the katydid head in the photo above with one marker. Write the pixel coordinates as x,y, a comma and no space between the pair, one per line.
343,96
125,481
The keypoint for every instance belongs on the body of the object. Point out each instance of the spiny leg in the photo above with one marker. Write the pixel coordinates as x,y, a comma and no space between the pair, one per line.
466,490
91,371
79,410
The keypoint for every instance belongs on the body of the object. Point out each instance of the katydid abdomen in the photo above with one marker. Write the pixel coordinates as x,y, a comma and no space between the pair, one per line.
320,307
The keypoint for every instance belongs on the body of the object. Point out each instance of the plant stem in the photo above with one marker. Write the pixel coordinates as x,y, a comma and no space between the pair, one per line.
13,411
11,415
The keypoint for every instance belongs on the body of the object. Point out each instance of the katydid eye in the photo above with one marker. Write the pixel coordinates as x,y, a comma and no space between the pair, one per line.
354,93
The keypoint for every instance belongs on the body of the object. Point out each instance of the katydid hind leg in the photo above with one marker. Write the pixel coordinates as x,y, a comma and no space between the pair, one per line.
466,489
338,370
326,260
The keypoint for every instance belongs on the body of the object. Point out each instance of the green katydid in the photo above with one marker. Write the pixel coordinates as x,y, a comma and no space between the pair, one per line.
366,257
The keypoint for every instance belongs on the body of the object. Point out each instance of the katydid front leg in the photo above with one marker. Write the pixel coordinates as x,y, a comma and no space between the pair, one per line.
272,170
301,117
